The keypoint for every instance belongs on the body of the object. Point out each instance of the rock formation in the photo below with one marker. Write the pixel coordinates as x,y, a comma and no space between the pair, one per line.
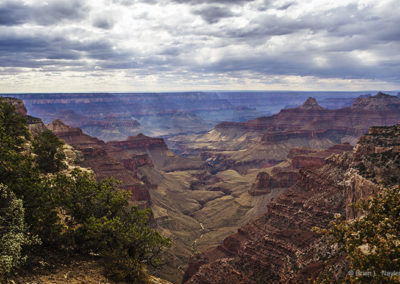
280,247
140,143
265,183
285,177
303,158
161,157
107,161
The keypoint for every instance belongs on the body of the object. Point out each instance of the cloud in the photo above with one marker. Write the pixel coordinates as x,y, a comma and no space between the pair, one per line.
212,14
226,2
52,12
103,22
12,14
59,10
276,4
216,40
42,50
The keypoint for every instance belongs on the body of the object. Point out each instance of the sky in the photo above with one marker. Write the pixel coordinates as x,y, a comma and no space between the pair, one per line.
186,45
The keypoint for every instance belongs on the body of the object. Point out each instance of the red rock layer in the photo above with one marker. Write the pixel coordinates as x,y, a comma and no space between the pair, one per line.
140,142
302,158
107,161
281,178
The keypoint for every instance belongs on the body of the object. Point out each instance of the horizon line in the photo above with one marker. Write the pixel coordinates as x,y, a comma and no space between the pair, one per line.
199,91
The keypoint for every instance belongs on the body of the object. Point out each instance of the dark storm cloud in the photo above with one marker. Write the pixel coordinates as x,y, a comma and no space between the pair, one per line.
43,50
12,14
15,13
59,11
212,14
103,23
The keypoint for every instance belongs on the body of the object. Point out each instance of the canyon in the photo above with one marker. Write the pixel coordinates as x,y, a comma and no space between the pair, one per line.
202,185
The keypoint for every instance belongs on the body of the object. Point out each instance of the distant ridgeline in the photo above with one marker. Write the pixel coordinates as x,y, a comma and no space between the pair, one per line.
114,116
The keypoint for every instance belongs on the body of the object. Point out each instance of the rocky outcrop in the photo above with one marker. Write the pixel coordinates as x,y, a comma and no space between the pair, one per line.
311,104
141,143
265,183
305,158
300,158
107,161
158,152
137,161
334,134
280,247
17,103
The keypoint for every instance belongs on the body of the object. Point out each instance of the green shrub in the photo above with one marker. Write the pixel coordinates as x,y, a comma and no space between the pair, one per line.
372,241
99,219
49,154
13,130
13,232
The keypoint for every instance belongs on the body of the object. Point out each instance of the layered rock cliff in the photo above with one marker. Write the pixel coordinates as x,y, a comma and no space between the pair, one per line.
280,247
107,161
157,150
266,141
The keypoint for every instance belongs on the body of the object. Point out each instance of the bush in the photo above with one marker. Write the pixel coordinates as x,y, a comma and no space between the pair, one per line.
99,219
372,241
13,232
48,148
13,130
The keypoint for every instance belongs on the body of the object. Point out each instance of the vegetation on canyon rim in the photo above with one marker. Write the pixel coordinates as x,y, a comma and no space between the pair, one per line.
371,241
43,207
